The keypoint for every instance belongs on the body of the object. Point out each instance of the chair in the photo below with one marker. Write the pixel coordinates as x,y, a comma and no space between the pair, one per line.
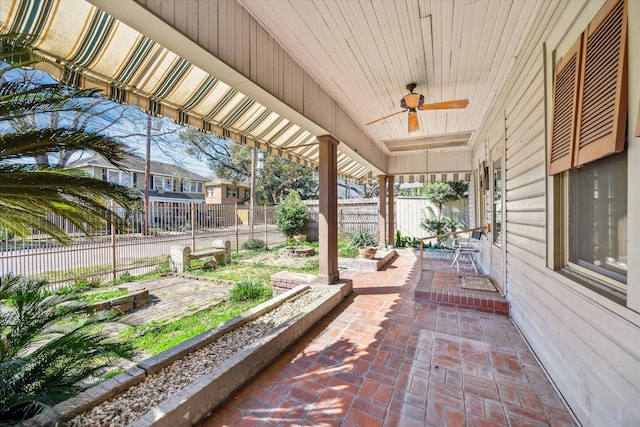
469,247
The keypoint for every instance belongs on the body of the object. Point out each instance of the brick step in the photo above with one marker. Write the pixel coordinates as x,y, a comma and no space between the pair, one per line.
446,289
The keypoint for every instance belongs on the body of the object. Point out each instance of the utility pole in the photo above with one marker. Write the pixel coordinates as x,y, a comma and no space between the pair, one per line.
147,178
252,199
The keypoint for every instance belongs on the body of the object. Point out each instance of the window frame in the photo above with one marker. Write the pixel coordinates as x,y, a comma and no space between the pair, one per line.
166,183
558,214
497,202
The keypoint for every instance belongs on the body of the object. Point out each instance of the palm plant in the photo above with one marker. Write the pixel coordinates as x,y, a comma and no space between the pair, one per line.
29,191
47,345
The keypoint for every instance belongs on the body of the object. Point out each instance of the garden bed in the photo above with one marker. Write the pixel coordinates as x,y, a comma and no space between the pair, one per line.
181,385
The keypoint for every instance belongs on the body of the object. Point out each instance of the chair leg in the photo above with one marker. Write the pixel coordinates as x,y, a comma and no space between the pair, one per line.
471,256
455,261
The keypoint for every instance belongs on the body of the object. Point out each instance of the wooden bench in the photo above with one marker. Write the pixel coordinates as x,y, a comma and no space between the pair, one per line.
180,256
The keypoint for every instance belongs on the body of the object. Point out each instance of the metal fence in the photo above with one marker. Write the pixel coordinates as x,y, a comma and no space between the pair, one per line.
107,254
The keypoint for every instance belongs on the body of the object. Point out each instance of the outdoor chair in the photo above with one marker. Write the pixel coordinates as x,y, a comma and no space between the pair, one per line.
469,247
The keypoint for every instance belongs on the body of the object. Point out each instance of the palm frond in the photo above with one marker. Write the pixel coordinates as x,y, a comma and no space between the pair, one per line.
34,142
28,193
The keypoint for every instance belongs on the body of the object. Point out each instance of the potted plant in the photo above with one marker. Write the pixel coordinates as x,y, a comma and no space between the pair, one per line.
365,242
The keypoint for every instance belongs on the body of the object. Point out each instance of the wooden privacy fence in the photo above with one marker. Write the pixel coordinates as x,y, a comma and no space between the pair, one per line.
107,254
353,215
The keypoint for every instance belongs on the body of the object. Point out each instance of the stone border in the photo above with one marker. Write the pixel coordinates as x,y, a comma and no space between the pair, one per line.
124,304
198,399
382,258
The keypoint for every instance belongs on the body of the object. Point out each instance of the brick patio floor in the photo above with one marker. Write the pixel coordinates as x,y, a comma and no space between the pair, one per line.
384,359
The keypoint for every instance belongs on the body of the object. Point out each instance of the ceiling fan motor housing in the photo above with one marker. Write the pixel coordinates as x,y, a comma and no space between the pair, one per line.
411,101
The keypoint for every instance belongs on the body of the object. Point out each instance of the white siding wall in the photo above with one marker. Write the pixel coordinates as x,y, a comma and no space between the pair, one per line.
589,345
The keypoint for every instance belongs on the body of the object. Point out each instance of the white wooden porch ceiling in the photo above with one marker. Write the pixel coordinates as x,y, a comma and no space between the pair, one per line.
362,53
365,52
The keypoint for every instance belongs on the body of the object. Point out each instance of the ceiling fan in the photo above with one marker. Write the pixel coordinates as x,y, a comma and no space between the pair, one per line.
414,101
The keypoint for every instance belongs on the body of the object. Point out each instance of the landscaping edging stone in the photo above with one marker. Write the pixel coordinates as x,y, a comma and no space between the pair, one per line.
377,263
196,400
123,304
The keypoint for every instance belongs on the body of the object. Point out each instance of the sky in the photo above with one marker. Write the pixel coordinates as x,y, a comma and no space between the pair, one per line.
129,124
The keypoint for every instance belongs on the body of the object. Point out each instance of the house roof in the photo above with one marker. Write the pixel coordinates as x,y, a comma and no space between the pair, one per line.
219,181
137,164
176,196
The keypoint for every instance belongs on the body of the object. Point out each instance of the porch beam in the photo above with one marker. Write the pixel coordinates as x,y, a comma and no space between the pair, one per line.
391,211
382,208
328,209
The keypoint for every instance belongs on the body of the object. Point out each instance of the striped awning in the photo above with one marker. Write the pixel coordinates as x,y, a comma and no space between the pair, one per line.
94,50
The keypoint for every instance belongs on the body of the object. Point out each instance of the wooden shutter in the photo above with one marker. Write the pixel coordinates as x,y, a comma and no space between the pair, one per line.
565,110
603,85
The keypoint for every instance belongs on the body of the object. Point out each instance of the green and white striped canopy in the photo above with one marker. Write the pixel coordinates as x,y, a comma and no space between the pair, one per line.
93,49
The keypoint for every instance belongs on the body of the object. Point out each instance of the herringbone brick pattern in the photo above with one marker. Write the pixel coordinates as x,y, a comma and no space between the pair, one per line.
385,359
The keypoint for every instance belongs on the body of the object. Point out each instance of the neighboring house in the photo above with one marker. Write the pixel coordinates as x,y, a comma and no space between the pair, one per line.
225,191
171,189
168,183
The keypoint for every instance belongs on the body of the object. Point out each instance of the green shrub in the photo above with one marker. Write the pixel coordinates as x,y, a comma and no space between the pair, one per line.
363,238
48,345
345,249
253,244
248,290
291,215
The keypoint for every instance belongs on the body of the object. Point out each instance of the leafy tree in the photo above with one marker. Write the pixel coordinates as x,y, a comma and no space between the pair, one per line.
440,193
28,192
233,161
71,347
291,215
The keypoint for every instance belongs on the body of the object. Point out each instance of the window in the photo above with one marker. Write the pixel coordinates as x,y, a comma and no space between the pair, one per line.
162,183
211,191
119,177
587,152
497,202
598,217
231,192
191,187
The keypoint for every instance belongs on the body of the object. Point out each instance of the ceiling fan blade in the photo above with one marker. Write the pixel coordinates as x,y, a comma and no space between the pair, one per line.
458,103
385,117
414,125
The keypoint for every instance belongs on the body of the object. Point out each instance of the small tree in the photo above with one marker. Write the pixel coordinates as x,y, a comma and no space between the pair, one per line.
441,193
291,216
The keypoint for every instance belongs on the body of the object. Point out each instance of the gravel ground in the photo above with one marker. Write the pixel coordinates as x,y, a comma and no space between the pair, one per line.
133,403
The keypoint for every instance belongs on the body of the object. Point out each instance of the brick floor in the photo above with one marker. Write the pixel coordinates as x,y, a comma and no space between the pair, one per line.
384,359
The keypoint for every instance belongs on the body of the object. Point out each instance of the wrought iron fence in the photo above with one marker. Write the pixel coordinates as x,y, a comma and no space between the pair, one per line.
108,253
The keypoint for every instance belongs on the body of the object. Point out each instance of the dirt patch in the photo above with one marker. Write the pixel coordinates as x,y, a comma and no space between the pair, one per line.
268,258
173,298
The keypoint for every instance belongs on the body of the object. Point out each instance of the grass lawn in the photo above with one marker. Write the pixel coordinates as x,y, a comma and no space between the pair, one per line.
155,337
